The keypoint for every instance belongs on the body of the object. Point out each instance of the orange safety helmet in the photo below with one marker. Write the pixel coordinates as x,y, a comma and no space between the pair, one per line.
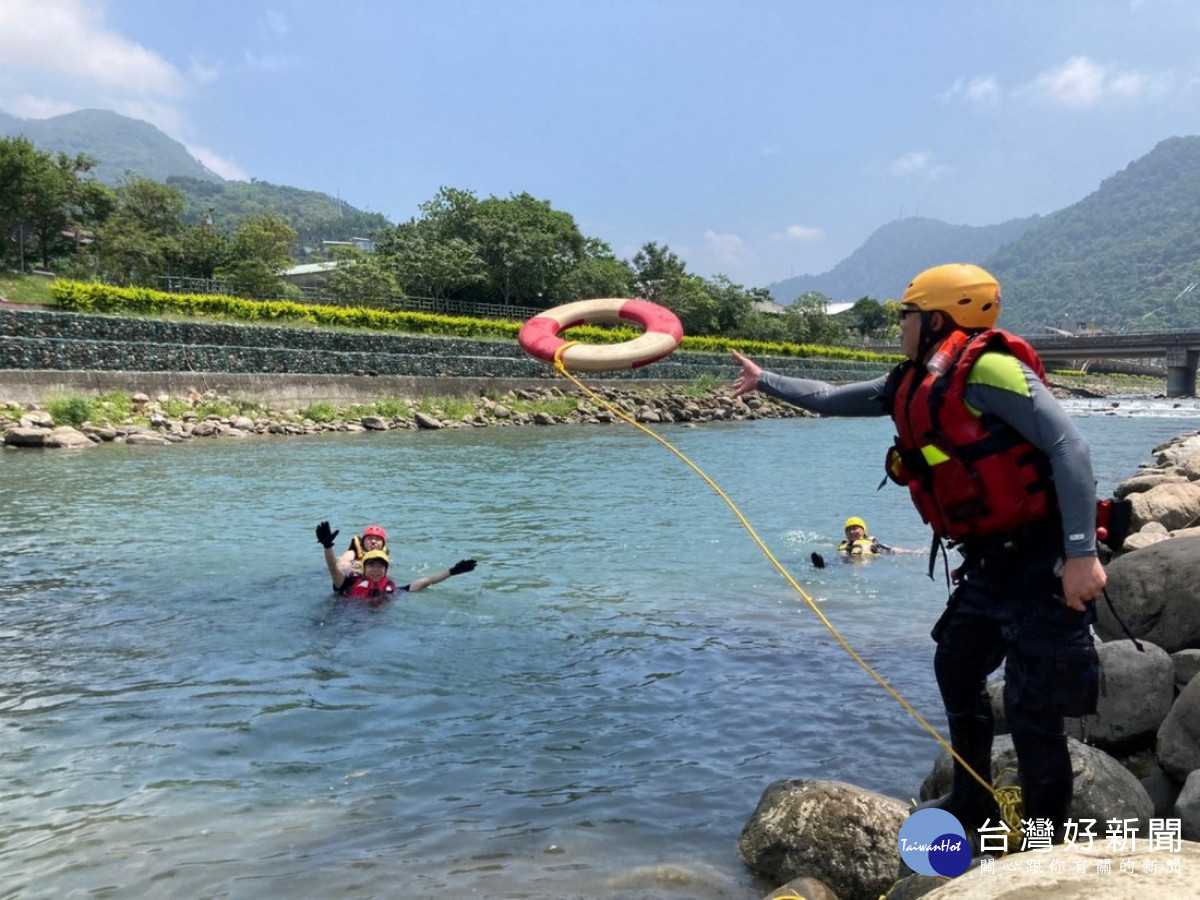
966,293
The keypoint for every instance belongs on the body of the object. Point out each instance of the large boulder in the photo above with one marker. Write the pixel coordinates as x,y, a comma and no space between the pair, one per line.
841,834
1103,790
1151,533
1174,505
1136,692
1099,872
26,436
1144,481
1156,592
68,438
1179,735
1178,450
1187,807
1187,664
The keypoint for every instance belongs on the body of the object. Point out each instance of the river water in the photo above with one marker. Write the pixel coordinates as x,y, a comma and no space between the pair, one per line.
186,712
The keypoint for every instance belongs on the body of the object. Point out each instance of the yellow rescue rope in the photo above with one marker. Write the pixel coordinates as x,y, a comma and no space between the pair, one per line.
1008,799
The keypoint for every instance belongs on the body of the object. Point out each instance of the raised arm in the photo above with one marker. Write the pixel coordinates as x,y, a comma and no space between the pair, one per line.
325,537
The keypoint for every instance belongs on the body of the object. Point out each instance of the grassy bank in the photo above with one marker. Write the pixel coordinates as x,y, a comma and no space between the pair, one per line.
26,288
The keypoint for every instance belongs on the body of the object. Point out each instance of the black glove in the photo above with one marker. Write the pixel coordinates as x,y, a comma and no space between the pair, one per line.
463,565
325,535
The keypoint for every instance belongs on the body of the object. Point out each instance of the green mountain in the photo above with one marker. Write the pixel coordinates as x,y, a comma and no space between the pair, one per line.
315,216
1122,258
882,266
123,145
120,144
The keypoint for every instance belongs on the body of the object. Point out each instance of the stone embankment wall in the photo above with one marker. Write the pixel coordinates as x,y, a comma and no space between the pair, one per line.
93,353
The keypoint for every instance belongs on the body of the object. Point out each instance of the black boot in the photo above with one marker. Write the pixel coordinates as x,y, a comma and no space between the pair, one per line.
969,801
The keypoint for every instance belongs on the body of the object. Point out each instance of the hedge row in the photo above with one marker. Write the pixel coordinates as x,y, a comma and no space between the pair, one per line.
91,297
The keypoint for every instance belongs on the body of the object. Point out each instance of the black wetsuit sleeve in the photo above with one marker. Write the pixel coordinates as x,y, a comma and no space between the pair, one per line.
1041,420
861,398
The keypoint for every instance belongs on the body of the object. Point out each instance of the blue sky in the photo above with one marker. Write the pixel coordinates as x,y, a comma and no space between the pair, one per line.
757,138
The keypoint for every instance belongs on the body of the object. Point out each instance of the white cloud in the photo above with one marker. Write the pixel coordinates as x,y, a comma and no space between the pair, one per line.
916,164
63,57
1082,82
1077,82
27,106
728,249
67,42
980,91
800,234
227,169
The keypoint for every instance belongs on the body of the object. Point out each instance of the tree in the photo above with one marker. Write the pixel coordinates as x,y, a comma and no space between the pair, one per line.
45,197
140,240
868,316
425,264
733,304
260,251
202,251
527,246
807,320
657,270
362,278
598,274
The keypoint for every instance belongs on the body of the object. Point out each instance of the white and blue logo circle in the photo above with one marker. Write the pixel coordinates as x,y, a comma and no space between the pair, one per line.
933,842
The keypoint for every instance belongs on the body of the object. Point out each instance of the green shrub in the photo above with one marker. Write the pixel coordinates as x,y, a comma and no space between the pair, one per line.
72,411
390,408
321,412
176,408
112,408
221,408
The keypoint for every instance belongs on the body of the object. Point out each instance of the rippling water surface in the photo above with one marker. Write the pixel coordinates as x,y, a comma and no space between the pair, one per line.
187,713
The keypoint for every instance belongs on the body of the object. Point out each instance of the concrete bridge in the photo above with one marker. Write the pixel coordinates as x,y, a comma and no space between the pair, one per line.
1179,349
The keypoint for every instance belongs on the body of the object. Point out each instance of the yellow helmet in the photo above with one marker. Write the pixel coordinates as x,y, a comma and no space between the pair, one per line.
966,293
376,554
855,520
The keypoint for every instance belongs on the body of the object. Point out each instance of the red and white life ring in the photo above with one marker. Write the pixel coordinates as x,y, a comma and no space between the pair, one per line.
662,333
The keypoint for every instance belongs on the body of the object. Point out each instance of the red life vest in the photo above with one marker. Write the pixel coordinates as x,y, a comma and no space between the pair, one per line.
359,587
970,476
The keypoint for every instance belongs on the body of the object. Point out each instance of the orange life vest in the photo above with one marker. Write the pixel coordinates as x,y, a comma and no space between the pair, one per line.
360,587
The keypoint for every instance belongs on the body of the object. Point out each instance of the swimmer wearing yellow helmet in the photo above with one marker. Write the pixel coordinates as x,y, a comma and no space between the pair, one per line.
858,542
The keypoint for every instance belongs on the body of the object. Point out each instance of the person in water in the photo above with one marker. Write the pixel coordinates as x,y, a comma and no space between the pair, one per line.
999,472
859,543
372,538
373,584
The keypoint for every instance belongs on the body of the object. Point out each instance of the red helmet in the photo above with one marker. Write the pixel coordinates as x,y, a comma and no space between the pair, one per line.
375,531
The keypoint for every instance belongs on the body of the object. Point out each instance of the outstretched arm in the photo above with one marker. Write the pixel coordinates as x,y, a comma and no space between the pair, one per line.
463,565
860,398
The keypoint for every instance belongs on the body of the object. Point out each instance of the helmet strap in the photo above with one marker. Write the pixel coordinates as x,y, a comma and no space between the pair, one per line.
930,338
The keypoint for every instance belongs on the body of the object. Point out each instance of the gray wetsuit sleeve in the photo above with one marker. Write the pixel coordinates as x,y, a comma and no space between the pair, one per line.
1042,421
861,398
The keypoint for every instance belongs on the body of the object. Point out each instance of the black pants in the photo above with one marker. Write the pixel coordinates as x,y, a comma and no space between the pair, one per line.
1008,607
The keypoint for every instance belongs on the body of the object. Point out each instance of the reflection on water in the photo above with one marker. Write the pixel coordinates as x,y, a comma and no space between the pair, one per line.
187,712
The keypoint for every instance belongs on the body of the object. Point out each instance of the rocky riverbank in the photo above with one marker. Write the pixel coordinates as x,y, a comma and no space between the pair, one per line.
166,419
